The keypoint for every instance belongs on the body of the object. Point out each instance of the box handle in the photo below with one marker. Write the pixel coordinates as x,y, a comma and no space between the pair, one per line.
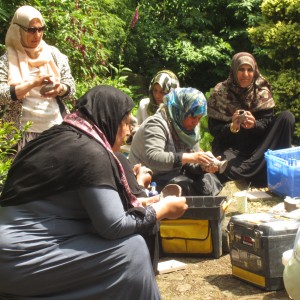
257,240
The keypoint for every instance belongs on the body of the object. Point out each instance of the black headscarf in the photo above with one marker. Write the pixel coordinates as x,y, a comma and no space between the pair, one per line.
64,158
107,112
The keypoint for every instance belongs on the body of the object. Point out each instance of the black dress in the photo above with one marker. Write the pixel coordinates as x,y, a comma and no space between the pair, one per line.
245,149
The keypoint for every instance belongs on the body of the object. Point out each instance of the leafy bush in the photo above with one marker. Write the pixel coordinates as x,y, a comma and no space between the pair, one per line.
277,45
87,32
286,91
278,10
195,40
114,76
9,137
206,137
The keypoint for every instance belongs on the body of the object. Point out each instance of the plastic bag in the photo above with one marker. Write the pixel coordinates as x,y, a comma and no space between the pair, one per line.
291,273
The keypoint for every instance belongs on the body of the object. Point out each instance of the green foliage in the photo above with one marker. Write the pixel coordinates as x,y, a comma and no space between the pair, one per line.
9,137
114,76
277,38
281,42
195,40
206,137
286,90
7,8
281,10
277,45
86,31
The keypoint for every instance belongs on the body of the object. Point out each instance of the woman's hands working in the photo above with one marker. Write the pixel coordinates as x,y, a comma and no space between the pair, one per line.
202,158
243,119
143,175
170,207
40,80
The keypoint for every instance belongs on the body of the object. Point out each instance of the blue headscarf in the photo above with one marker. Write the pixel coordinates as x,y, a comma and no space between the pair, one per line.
181,103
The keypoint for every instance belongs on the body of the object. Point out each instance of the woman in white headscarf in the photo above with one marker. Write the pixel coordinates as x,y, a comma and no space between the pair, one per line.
35,78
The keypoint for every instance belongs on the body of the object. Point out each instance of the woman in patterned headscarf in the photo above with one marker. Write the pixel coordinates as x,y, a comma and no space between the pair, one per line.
242,121
161,84
25,70
168,144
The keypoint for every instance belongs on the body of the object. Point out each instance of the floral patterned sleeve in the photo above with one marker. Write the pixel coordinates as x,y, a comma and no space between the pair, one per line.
62,63
60,60
5,95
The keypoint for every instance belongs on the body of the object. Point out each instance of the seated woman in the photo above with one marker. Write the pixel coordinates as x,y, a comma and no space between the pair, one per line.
168,144
242,122
139,179
161,84
70,227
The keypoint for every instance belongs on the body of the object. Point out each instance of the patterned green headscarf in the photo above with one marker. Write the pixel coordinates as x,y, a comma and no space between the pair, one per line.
181,103
168,81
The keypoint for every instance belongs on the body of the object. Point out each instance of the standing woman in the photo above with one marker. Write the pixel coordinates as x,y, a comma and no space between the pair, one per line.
25,69
70,228
161,84
243,124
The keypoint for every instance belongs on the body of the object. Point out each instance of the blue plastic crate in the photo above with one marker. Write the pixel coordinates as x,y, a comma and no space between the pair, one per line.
283,170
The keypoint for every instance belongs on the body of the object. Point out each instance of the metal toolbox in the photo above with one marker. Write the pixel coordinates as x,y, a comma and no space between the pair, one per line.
256,243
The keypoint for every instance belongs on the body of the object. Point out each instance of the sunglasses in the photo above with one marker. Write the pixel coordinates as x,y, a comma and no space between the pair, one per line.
32,30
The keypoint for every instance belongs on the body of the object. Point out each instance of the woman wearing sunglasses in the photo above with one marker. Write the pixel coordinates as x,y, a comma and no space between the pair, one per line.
35,78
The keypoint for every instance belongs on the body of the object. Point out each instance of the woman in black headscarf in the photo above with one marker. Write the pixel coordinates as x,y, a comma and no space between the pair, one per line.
242,121
70,226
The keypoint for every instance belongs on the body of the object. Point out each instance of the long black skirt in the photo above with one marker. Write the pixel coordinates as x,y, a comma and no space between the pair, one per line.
252,168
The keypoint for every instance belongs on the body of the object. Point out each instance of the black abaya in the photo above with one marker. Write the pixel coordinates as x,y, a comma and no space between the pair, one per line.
245,149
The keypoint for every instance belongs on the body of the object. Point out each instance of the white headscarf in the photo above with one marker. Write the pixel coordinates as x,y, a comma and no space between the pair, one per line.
18,58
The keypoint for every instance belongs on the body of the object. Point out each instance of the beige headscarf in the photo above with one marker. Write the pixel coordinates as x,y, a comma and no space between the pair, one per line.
18,58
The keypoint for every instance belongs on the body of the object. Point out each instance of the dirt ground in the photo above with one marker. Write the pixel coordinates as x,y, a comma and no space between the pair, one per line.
210,278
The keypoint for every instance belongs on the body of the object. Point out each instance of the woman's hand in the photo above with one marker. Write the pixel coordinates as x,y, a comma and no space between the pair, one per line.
41,80
23,88
149,200
249,121
143,175
236,123
171,207
199,157
58,89
212,168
